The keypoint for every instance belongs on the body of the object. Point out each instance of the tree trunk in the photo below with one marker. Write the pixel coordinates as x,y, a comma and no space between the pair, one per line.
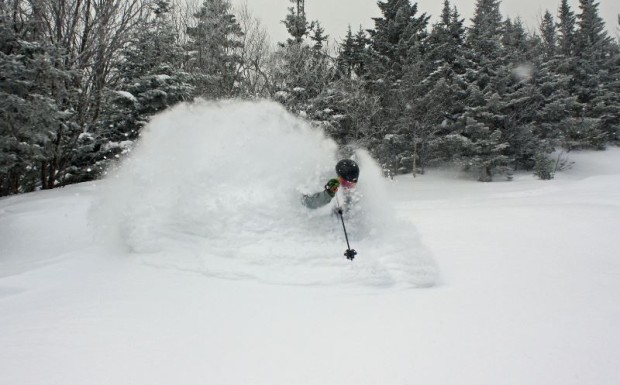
485,174
415,156
44,175
10,184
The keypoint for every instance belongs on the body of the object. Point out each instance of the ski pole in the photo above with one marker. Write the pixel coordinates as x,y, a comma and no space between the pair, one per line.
349,253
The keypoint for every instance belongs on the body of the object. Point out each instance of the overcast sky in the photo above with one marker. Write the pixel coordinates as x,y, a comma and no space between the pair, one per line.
336,15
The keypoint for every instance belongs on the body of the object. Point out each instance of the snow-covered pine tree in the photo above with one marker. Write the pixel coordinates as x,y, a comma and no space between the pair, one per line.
553,83
346,110
548,36
591,34
81,42
345,60
318,37
353,54
328,92
446,43
485,33
152,71
564,66
596,73
436,101
296,23
520,96
361,47
397,43
300,72
516,43
393,37
29,118
215,42
483,122
482,148
34,127
342,106
566,29
485,41
151,79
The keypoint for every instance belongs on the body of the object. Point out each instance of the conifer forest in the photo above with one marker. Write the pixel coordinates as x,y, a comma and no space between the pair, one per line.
79,79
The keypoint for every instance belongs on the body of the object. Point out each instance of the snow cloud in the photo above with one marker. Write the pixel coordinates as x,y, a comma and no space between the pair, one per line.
215,188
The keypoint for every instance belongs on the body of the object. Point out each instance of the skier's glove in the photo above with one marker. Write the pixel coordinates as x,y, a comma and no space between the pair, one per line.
332,187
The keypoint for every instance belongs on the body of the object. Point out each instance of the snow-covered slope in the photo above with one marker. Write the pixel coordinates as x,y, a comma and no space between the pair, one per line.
204,269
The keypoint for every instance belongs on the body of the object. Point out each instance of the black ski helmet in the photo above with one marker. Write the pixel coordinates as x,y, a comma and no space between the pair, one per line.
348,169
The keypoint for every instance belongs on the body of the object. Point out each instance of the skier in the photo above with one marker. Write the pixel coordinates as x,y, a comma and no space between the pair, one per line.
348,171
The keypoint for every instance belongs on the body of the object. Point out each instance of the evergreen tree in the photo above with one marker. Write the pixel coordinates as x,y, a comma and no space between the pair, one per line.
345,110
516,43
531,135
446,40
296,23
328,93
485,42
68,52
30,118
565,65
435,102
361,53
353,54
483,149
318,36
397,44
397,34
215,42
486,31
591,35
548,35
596,70
553,81
34,126
151,80
518,108
482,128
300,73
154,45
566,29
346,58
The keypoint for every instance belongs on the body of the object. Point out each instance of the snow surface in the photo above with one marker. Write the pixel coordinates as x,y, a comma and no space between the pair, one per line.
195,264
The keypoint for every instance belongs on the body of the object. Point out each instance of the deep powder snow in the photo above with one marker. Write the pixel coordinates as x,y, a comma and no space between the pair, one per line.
215,188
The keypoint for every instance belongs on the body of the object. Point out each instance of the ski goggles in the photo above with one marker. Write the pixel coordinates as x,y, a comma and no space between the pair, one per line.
347,184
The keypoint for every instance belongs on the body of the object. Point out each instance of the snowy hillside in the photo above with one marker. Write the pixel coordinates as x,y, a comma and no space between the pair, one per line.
195,264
